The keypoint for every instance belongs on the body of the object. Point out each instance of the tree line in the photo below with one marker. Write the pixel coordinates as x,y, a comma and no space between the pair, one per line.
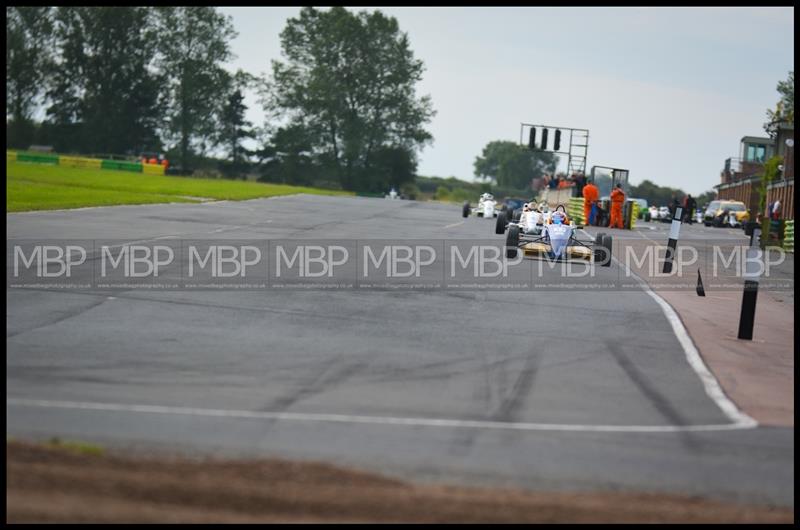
342,105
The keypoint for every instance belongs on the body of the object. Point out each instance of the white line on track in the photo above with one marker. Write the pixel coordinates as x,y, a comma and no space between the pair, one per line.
454,224
375,420
710,383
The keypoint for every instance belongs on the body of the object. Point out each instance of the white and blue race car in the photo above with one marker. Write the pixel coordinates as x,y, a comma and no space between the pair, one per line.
558,239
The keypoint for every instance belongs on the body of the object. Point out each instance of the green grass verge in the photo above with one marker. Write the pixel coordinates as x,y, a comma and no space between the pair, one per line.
23,196
32,186
74,446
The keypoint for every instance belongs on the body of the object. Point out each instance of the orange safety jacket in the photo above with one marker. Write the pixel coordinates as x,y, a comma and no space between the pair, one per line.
591,193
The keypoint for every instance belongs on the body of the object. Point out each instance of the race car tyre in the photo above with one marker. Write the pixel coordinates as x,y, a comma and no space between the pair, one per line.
599,252
465,210
515,217
500,225
607,244
512,240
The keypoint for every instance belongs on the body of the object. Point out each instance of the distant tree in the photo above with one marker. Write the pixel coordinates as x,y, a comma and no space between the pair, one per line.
392,166
288,157
234,128
193,44
705,198
29,56
104,95
784,109
512,165
349,81
657,195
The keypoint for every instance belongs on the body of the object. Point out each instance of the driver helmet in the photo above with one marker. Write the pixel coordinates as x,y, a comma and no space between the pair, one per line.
558,217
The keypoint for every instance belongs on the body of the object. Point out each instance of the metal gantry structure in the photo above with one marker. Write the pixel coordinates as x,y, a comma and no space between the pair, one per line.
617,175
578,144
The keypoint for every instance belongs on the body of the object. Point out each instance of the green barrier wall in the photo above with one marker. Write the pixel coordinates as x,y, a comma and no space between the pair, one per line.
39,158
122,166
73,161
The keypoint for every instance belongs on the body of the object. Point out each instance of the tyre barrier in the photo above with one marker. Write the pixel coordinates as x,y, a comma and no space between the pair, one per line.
634,214
153,169
788,236
75,161
575,210
89,163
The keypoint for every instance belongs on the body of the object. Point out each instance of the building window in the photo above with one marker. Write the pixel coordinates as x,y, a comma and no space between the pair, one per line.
756,153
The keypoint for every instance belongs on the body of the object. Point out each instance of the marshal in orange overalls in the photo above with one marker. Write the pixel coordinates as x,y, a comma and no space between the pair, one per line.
617,200
590,196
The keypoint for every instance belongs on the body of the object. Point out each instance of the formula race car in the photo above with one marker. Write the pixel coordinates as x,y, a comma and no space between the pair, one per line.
512,206
559,241
530,220
486,207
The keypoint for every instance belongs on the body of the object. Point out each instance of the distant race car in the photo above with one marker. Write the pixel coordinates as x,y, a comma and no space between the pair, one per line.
513,206
558,240
487,207
530,220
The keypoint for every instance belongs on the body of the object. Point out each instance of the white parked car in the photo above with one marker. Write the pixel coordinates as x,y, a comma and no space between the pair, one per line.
664,214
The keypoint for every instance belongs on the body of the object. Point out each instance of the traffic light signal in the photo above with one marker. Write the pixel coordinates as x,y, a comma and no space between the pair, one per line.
557,142
532,139
544,139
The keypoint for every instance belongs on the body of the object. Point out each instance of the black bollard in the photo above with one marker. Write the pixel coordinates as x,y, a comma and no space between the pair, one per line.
700,290
674,232
748,315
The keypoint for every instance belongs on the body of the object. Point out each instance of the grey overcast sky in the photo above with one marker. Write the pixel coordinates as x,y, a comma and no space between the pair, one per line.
665,92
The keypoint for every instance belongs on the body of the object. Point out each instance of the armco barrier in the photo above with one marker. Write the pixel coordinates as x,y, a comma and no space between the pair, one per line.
788,236
38,158
575,210
76,161
153,169
122,166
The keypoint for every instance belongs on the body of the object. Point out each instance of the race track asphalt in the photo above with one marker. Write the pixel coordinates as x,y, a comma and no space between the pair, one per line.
551,389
